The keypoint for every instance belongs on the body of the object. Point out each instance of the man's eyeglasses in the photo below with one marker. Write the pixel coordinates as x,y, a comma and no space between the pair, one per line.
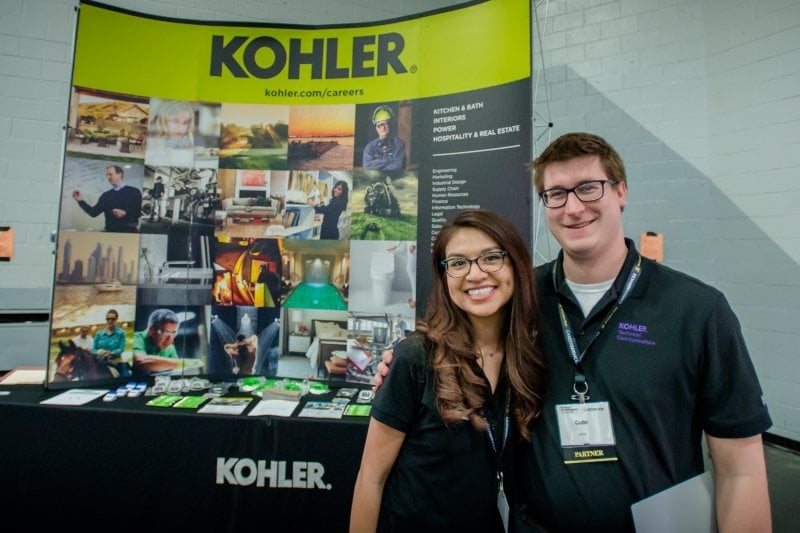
165,333
588,191
459,267
110,318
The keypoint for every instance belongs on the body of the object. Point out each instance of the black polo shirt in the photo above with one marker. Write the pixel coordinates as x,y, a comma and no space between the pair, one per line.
444,478
671,362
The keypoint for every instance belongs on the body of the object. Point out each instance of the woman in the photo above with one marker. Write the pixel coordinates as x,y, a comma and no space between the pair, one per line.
470,375
338,203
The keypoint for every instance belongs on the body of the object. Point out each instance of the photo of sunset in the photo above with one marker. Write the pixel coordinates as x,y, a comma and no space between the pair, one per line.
321,137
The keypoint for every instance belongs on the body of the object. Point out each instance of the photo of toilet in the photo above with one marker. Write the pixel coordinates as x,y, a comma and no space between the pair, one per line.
381,272
383,276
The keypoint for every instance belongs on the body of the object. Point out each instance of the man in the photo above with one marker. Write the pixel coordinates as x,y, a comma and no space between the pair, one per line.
153,349
83,339
642,361
387,152
110,343
158,195
122,205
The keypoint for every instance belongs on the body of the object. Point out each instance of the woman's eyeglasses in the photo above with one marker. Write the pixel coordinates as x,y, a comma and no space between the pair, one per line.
458,267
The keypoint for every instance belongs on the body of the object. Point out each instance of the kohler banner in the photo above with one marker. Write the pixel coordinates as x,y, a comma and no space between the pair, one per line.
253,199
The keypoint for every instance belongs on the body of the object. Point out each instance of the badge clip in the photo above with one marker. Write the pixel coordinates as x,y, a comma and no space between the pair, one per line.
582,395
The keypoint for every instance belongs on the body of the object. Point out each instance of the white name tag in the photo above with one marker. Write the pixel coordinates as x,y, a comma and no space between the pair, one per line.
586,432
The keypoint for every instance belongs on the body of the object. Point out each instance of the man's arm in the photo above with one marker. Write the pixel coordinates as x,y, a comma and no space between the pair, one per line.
92,211
740,478
155,363
383,368
396,160
370,160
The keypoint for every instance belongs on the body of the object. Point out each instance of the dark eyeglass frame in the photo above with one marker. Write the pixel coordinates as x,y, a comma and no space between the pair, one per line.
445,263
549,203
111,318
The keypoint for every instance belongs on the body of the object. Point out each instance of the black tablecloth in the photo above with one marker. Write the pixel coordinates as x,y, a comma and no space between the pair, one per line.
123,466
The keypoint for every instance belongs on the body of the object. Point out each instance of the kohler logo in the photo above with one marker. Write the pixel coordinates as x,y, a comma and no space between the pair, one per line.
278,474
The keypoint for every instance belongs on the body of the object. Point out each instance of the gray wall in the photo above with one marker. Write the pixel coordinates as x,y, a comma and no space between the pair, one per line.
702,98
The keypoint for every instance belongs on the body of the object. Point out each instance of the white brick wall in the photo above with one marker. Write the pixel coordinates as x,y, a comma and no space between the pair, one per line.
702,98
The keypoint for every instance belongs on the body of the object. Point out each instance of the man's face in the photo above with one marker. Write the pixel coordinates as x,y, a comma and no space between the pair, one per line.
382,128
84,332
111,321
584,229
113,177
163,335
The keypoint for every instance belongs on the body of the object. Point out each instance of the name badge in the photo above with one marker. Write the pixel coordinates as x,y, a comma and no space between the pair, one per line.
586,432
502,506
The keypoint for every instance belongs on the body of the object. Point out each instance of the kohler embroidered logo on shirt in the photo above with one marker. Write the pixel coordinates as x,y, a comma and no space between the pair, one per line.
636,333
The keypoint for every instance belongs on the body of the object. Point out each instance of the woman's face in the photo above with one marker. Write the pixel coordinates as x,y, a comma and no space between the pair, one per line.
480,294
178,125
337,191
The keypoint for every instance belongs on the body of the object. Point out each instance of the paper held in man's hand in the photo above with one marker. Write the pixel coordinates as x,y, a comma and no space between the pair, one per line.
687,507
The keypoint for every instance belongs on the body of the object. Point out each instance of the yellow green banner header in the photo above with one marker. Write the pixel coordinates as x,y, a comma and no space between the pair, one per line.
477,46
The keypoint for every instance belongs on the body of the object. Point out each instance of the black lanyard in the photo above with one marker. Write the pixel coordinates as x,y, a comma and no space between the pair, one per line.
580,387
498,455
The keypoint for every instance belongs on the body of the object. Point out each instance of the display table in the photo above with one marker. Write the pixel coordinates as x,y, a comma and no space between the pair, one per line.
123,465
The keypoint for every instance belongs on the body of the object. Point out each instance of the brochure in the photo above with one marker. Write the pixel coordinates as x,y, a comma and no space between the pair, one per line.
226,406
190,402
274,408
75,397
164,400
322,410
357,409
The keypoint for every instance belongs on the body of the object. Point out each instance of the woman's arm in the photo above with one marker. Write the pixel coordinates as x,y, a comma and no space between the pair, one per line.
380,452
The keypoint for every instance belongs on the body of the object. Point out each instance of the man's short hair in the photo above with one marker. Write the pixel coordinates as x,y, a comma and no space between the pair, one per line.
579,144
117,169
159,316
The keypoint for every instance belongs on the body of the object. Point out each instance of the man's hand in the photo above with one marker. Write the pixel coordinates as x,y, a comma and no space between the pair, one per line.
119,213
383,368
76,195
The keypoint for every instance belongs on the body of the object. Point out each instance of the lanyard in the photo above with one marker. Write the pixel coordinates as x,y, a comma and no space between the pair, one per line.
580,387
498,455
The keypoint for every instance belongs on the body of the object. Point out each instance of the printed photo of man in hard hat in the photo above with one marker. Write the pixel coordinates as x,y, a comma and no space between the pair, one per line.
387,151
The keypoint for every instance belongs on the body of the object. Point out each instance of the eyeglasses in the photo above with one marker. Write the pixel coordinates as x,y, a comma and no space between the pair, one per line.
110,318
382,125
459,267
588,191
165,333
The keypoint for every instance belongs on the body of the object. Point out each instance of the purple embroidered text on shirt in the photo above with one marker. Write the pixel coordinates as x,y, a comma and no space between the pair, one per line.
636,333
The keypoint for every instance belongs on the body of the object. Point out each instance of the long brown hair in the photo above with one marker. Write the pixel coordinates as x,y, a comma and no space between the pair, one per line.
460,391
